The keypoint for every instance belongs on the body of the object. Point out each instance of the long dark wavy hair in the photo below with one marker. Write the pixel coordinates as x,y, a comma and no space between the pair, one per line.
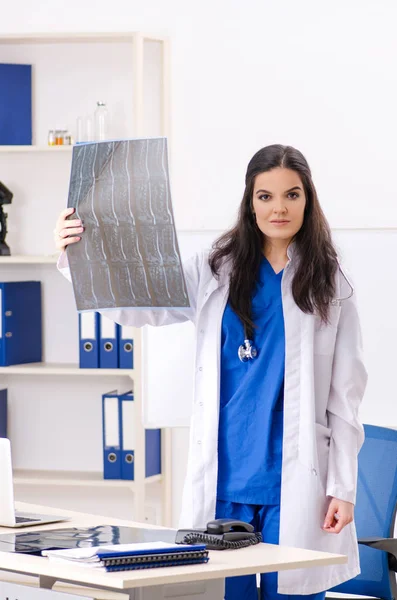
313,285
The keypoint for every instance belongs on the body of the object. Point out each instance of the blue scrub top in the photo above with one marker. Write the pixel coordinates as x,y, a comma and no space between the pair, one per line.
251,399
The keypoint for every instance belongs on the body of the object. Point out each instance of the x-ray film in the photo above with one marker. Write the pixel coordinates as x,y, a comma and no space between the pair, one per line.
128,256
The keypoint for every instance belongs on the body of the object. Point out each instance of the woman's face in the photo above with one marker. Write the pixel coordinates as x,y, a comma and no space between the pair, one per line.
279,203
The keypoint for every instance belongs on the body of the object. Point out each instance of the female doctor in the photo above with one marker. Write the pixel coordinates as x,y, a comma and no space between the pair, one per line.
275,431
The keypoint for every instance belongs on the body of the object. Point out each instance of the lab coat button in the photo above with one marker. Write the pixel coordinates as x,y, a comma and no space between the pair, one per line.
201,330
314,471
200,368
201,403
199,442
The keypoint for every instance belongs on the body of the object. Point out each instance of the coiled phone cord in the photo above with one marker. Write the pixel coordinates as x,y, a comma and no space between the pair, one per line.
217,543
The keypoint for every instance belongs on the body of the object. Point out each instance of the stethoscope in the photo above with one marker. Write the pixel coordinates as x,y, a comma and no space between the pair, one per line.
247,351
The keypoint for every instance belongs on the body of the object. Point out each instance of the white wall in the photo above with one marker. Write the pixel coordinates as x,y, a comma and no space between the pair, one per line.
317,75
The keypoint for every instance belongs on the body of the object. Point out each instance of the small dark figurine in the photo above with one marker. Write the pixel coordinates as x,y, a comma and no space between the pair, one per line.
5,198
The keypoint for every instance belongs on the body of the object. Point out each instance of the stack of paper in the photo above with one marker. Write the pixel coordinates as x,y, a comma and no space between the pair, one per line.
124,557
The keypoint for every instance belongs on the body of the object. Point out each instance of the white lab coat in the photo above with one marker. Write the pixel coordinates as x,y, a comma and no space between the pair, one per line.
325,380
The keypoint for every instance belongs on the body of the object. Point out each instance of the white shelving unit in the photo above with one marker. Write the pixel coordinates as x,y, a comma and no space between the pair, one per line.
140,95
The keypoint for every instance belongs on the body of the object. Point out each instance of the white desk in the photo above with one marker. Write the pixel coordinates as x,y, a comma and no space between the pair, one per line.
200,581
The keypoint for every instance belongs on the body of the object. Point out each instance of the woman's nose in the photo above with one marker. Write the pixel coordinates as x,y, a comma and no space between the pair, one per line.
279,206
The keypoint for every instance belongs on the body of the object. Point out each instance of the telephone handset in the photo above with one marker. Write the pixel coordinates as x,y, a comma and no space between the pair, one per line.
226,525
221,534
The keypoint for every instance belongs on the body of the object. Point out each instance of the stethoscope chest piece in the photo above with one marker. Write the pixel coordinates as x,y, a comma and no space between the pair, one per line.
247,351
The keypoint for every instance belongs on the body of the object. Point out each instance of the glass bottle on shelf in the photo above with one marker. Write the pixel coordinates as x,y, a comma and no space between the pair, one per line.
67,138
80,133
51,137
84,129
89,129
101,117
58,137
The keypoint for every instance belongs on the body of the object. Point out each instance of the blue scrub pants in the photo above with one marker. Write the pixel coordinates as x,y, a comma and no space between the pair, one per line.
265,519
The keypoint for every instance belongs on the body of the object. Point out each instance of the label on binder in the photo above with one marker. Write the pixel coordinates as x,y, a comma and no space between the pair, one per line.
108,328
111,417
88,326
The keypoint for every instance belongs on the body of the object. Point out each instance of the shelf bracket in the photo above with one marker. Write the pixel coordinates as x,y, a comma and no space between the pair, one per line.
46,582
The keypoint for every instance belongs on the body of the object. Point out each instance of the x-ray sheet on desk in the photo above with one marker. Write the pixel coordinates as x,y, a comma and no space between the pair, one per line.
128,255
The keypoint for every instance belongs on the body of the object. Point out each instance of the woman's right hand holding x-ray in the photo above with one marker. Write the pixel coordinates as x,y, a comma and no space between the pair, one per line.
67,231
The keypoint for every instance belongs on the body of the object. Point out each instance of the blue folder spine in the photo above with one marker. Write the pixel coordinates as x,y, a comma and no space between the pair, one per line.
126,347
153,452
3,413
127,429
111,436
20,323
109,344
89,340
15,105
152,441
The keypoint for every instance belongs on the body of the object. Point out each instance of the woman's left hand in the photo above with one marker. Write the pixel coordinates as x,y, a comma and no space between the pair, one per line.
340,513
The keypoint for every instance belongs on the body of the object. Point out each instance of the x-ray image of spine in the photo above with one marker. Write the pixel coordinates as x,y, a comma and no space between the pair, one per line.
129,255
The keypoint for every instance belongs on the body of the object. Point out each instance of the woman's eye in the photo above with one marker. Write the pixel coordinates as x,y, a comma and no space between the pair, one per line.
293,195
264,197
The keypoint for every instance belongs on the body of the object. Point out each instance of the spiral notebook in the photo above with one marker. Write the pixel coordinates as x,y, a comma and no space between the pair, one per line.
125,557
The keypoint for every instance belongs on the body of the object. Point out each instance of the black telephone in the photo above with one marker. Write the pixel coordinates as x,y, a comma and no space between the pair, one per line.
221,534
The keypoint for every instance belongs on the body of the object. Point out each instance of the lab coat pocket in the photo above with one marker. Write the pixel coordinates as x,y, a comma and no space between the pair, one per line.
323,440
